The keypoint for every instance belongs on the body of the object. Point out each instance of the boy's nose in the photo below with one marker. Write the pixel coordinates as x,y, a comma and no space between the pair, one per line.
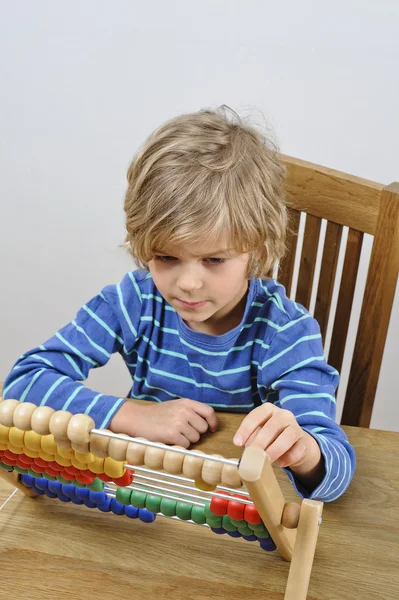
189,281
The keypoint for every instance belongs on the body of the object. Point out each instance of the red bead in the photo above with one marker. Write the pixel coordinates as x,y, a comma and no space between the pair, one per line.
72,470
54,465
10,455
219,506
25,459
68,476
51,472
36,468
125,480
41,463
8,461
104,477
251,514
235,510
84,480
22,465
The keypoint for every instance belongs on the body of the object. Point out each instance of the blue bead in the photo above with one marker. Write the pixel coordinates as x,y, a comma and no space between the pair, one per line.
68,489
131,511
27,480
105,506
146,516
218,530
116,507
97,497
90,504
82,493
37,491
54,487
50,494
234,534
250,538
63,498
76,500
267,544
41,483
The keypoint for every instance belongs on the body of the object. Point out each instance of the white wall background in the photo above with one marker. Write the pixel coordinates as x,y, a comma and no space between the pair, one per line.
84,82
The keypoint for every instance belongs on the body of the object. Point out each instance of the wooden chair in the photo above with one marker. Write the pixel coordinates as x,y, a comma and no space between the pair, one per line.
364,207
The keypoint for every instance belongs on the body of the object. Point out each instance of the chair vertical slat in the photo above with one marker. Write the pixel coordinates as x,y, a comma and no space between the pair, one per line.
345,298
308,260
287,264
327,275
375,315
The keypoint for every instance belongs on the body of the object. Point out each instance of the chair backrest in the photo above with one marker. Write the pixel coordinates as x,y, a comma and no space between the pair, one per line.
364,207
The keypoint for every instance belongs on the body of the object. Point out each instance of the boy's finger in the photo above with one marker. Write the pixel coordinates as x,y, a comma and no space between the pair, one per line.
208,414
282,444
255,419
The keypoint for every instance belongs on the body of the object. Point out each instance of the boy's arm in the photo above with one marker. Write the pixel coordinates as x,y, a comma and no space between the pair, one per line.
298,379
51,374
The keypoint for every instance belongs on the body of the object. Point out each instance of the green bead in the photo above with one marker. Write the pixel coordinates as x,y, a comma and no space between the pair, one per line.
6,467
49,477
240,523
262,534
123,495
61,479
183,510
227,524
96,486
19,470
168,507
245,530
77,483
33,473
258,528
198,515
138,499
208,512
153,503
214,521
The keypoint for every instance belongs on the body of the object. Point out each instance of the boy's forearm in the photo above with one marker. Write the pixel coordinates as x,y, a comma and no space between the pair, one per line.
312,470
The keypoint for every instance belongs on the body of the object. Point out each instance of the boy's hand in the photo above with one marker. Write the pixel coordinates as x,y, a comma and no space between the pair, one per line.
180,422
278,433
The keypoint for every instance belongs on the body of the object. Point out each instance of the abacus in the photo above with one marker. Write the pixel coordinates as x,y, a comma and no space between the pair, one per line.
43,451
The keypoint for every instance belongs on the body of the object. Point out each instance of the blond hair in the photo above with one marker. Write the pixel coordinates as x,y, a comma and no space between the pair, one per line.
200,176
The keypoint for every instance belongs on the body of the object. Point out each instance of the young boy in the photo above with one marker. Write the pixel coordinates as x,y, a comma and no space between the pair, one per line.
197,326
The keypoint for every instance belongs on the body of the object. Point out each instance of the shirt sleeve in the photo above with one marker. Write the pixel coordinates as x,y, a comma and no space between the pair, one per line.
51,374
295,376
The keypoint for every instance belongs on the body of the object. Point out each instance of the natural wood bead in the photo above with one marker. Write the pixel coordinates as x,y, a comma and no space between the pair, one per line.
290,516
48,444
7,408
16,437
23,415
81,448
203,485
41,419
62,443
79,428
32,441
99,445
173,461
153,457
117,449
4,434
135,453
59,424
192,466
230,476
212,471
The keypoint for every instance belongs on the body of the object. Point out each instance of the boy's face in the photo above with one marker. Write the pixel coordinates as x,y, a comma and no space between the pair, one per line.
206,286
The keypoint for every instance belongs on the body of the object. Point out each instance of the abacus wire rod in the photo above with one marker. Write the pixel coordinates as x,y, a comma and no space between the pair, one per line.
9,498
186,479
186,487
124,438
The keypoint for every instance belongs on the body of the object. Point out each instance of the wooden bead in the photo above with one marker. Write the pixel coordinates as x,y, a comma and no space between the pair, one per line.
65,452
203,485
79,428
81,448
173,461
113,468
23,415
16,437
97,466
86,457
4,434
79,464
41,419
31,453
290,516
44,456
7,408
32,441
99,445
192,465
153,457
15,449
48,444
62,443
212,471
59,424
61,460
230,476
117,449
135,453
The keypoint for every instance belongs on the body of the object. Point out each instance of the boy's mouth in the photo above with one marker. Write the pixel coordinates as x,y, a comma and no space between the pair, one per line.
185,304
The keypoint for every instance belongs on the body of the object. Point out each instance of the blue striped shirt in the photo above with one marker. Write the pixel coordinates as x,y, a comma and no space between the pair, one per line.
274,355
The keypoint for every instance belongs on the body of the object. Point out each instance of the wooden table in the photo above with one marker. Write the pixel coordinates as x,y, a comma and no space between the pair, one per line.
56,551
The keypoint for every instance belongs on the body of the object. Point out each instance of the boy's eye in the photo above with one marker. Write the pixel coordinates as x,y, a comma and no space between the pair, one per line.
215,261
165,258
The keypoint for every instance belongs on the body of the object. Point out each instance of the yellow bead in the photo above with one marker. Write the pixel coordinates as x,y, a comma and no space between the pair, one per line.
16,437
113,468
86,458
4,433
65,462
79,465
15,449
202,485
48,445
32,440
65,452
44,456
97,466
31,453
3,446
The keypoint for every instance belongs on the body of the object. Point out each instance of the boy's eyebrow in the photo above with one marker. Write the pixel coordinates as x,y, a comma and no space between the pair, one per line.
207,255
